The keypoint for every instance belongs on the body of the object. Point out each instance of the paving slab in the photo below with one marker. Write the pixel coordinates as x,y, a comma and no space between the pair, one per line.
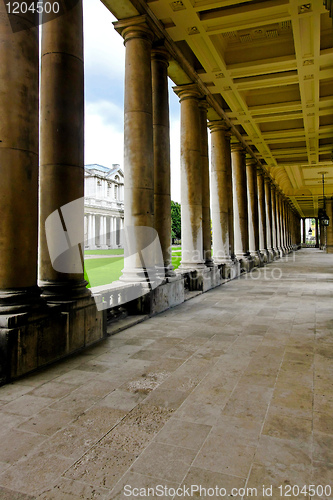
232,389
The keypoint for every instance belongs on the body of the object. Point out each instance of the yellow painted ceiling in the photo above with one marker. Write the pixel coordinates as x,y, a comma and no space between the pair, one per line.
268,64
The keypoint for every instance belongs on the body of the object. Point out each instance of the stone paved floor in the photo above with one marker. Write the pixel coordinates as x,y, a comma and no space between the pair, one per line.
231,389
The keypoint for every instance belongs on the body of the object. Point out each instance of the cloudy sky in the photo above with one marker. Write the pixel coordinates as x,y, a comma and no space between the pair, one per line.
104,88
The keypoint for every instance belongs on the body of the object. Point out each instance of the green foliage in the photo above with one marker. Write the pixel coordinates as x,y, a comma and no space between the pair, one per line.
175,220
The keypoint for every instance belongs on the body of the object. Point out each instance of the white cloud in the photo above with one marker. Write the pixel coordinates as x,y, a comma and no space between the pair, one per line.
104,141
104,49
104,80
175,159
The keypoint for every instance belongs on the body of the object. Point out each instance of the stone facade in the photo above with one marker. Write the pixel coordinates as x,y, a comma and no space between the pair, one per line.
103,207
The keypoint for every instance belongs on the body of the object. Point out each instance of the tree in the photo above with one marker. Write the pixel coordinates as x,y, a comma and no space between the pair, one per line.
175,220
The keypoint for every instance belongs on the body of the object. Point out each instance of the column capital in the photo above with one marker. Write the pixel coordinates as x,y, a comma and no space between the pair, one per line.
219,125
203,104
251,161
267,178
188,91
135,27
238,147
160,54
260,171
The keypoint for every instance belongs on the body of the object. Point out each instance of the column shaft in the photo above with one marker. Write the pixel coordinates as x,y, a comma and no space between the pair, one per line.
262,213
329,228
253,215
161,133
274,235
241,231
206,226
220,176
269,221
317,231
278,222
191,178
62,156
138,149
19,161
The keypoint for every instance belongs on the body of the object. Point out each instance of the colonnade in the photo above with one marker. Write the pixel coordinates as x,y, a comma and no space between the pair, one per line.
103,231
252,221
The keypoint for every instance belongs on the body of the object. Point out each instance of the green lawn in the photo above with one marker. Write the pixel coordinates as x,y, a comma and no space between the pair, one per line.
115,251
103,271
106,270
175,260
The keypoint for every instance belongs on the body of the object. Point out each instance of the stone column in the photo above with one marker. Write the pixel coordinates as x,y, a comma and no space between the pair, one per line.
278,222
287,226
138,147
329,228
220,199
284,225
322,237
191,178
161,134
239,186
274,236
62,155
282,244
206,226
101,231
93,226
18,161
262,214
317,232
304,231
253,214
269,218
299,239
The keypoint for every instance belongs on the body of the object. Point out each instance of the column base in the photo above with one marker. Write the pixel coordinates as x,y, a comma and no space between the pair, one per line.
281,251
246,262
258,260
19,300
270,255
150,276
227,266
192,266
264,255
59,291
169,271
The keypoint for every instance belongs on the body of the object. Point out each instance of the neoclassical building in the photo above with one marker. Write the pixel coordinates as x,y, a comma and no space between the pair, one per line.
256,75
103,206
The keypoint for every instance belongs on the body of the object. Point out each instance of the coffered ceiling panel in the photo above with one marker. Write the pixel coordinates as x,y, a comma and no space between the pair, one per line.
269,63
